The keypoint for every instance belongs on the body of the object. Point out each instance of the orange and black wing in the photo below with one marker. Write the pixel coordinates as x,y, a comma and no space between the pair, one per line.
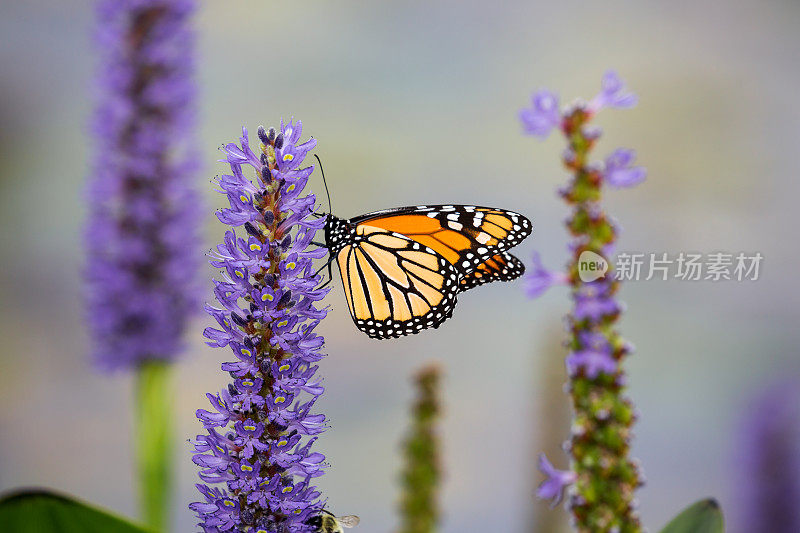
465,235
394,285
500,267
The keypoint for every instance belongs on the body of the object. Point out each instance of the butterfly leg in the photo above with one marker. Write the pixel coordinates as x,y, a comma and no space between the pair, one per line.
330,277
327,264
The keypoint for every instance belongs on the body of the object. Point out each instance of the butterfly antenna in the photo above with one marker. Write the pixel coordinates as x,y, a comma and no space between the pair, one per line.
327,192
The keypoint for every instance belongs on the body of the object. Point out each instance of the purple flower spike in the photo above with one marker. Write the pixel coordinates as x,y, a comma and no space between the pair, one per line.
612,94
557,481
768,459
543,115
602,412
539,279
619,172
261,428
142,230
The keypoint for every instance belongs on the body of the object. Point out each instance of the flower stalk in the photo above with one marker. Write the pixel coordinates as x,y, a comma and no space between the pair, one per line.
141,234
154,435
419,509
602,478
260,428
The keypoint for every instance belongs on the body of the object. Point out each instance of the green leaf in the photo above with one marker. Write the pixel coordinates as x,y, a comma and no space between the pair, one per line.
40,511
704,516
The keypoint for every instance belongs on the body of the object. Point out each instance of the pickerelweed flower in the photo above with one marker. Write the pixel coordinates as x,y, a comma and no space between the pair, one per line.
619,172
141,235
539,279
612,94
142,231
768,461
542,116
602,477
261,428
552,488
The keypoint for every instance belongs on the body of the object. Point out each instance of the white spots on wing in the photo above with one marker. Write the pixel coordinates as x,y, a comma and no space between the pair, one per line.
483,237
455,225
453,216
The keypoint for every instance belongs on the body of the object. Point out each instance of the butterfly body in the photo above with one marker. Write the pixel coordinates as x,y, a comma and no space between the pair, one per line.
402,268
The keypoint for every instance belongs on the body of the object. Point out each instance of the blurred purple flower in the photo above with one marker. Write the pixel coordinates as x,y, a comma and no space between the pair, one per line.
594,357
539,279
260,429
769,461
618,170
552,488
543,115
141,234
613,93
594,301
602,412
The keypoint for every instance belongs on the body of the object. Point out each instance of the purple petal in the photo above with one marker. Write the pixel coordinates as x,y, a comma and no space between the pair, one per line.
543,115
612,94
619,173
552,488
539,279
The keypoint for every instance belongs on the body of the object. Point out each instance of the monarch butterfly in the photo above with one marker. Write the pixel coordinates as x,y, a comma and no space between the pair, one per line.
402,268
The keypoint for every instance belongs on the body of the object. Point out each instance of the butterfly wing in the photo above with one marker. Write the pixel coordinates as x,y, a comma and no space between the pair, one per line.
466,235
394,285
500,267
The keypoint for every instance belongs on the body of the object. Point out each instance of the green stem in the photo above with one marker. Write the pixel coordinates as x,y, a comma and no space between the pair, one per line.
154,443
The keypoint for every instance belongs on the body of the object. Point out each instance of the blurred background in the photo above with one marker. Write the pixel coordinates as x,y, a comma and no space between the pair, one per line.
413,103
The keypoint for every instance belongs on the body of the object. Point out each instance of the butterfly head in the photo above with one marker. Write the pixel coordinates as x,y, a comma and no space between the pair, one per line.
336,233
